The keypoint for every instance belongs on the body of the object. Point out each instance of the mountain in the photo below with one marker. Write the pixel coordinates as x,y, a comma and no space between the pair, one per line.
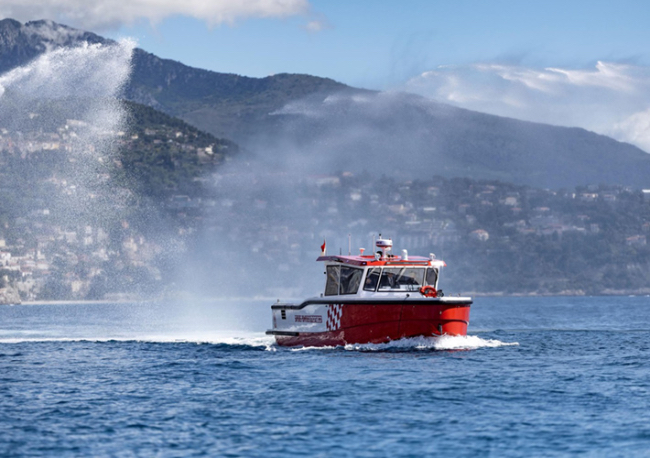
317,125
226,105
223,104
21,43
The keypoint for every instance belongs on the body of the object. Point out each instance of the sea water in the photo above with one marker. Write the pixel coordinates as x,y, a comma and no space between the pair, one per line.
534,377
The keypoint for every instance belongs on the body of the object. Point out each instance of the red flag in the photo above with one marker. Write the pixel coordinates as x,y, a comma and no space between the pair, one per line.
323,246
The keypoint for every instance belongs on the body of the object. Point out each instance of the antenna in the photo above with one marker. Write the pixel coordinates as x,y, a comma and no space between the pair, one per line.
349,244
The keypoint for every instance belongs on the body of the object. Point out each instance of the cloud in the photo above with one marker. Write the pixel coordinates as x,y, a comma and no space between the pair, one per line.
317,23
316,26
611,99
107,14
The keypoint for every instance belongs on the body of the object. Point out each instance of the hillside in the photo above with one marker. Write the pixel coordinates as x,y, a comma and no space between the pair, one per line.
225,105
162,155
316,125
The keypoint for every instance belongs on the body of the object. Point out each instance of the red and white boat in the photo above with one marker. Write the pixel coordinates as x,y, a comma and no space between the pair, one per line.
373,299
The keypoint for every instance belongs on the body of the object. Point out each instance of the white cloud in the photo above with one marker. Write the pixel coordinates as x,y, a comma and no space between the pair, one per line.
317,23
315,26
611,99
106,14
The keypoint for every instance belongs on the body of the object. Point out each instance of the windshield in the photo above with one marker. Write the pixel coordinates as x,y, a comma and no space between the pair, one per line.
401,279
372,279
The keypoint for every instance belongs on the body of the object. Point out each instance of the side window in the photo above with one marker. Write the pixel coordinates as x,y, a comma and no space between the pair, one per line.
350,280
432,276
342,280
372,279
332,285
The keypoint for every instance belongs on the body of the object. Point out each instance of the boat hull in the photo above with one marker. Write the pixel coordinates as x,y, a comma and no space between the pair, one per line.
322,323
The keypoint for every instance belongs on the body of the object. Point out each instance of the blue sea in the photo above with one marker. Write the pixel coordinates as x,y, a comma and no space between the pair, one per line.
549,376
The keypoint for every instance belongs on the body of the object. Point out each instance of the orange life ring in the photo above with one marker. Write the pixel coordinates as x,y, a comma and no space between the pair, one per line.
429,291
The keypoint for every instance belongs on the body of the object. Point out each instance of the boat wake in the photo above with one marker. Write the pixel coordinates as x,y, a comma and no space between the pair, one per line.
262,341
258,340
423,343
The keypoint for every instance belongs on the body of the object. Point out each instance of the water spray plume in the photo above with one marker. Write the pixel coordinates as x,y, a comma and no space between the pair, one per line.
77,87
63,117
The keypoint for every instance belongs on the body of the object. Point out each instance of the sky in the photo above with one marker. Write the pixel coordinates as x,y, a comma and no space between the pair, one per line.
571,62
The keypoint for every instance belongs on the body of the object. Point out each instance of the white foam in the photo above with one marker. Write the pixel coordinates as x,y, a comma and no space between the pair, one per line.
258,339
468,343
424,343
252,339
326,347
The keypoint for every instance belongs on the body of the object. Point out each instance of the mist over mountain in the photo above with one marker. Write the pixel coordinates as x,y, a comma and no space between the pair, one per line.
406,135
316,125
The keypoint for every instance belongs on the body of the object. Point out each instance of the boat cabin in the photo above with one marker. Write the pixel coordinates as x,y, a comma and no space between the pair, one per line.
369,276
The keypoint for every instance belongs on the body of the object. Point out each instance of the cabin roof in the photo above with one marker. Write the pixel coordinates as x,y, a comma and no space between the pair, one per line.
386,261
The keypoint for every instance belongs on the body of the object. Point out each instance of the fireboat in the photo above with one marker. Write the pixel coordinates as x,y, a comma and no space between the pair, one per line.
373,299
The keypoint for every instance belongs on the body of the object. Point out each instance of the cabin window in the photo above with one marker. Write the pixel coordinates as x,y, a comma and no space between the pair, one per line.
432,276
342,280
401,279
332,285
350,280
372,279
